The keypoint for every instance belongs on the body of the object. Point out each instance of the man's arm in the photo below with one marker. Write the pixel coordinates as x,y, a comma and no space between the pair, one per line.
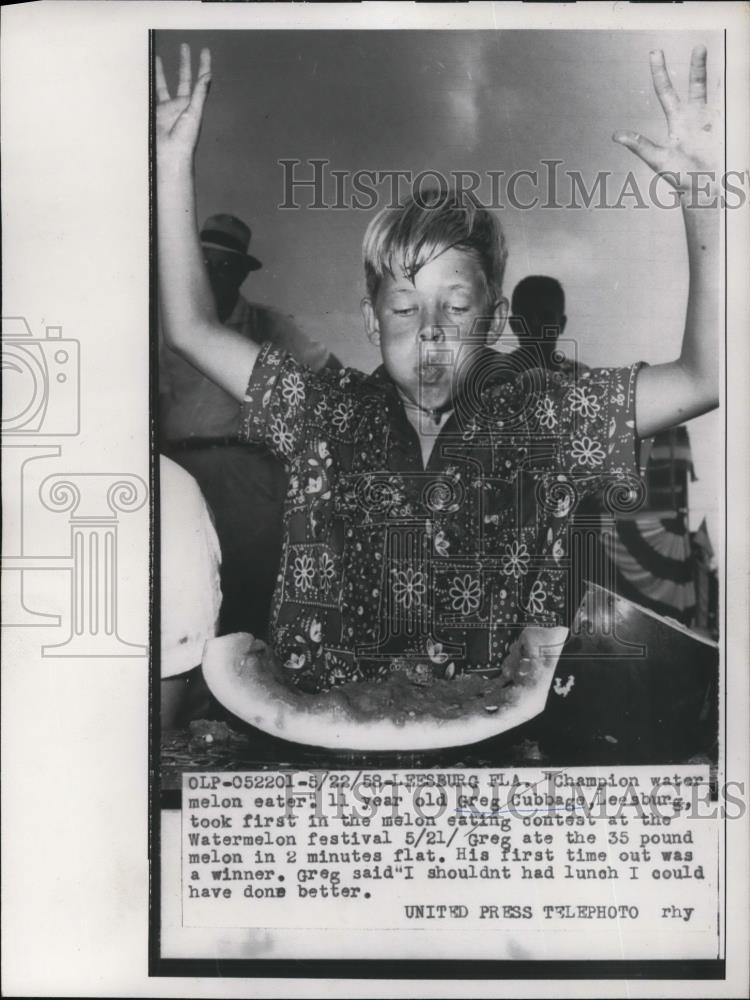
190,324
669,394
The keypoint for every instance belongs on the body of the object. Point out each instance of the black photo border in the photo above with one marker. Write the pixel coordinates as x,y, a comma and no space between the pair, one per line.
375,969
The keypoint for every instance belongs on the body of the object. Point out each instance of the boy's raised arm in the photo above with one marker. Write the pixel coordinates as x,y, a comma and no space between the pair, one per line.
670,393
190,324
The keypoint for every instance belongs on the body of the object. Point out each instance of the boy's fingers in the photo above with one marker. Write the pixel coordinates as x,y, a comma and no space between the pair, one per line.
205,63
697,84
648,151
198,98
183,87
668,99
162,91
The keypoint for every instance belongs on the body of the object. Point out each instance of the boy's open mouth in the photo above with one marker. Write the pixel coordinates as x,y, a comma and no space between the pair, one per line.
431,374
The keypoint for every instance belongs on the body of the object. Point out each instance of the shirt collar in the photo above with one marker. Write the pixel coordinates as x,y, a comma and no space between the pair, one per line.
382,380
402,434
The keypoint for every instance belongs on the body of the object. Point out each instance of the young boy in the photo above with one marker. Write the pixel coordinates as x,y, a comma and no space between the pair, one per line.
426,518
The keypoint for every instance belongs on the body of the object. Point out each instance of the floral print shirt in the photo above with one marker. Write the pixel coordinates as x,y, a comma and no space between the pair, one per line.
389,565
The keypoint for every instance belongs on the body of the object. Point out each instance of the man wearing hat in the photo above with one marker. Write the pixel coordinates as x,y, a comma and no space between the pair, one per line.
243,484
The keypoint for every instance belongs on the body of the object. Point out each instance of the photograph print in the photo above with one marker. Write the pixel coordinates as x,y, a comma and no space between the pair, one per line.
438,446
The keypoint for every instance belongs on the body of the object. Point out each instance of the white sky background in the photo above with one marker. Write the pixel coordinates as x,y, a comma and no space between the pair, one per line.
447,101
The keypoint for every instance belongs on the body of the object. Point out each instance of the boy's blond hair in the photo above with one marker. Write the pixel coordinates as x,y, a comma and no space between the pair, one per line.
402,240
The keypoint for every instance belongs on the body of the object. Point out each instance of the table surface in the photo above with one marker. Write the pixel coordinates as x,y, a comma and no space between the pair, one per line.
530,745
254,751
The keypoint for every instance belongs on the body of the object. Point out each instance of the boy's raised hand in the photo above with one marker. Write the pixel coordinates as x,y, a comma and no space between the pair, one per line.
189,321
671,393
691,144
178,118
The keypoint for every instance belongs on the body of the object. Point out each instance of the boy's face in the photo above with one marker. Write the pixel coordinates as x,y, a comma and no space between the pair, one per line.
427,329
